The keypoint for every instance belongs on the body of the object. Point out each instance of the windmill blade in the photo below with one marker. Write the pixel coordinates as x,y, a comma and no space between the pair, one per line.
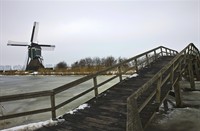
34,32
15,43
47,46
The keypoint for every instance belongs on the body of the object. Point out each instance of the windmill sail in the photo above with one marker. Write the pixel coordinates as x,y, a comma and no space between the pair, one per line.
34,32
34,57
15,43
47,45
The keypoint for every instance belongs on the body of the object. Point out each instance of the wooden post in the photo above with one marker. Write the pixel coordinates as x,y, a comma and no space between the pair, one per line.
165,103
161,51
166,51
172,74
158,89
95,86
136,65
53,109
177,93
191,74
155,54
133,119
120,73
197,70
147,58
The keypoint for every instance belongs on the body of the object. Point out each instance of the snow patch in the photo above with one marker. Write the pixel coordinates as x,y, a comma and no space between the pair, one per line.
33,126
134,75
34,73
81,107
179,114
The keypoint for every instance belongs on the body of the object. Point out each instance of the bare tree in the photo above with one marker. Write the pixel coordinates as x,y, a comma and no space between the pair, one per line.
110,61
61,65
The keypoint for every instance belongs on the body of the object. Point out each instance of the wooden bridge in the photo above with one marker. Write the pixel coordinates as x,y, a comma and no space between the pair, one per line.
130,104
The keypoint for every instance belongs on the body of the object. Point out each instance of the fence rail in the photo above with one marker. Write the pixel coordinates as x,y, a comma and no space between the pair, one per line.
181,65
137,63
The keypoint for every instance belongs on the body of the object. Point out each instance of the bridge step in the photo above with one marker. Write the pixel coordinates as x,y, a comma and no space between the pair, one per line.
108,111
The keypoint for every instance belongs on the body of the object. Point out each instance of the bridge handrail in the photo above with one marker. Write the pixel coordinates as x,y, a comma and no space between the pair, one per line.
157,52
173,66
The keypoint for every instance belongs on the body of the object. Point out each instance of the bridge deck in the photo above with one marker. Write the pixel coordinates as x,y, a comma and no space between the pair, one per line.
108,111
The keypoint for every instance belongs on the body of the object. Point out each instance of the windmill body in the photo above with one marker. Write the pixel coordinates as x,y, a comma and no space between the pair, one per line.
34,61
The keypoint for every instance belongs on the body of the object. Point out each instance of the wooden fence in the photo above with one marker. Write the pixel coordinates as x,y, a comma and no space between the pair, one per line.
137,63
185,64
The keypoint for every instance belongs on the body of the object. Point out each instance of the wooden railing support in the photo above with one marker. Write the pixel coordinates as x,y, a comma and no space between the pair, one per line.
147,58
53,109
95,86
138,61
191,73
155,55
161,52
197,69
120,73
133,119
166,52
177,91
158,89
165,103
136,65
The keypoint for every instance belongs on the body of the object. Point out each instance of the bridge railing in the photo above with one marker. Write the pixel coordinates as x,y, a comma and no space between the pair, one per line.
135,63
178,65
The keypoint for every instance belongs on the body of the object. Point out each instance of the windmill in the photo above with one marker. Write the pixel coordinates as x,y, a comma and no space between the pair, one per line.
34,61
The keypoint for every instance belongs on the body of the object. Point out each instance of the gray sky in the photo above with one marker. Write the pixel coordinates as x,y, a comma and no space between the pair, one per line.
81,29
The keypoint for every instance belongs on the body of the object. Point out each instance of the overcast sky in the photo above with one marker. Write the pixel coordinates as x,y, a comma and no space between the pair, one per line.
81,29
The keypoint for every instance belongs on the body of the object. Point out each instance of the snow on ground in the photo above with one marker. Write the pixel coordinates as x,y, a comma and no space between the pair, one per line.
183,114
32,126
179,119
134,75
35,126
81,107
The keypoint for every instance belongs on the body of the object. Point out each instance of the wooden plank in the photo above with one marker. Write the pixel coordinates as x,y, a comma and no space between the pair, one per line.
25,113
25,96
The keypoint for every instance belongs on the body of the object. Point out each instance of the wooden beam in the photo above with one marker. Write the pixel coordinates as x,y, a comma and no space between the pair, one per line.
158,89
177,93
133,119
197,71
53,109
120,73
191,73
95,86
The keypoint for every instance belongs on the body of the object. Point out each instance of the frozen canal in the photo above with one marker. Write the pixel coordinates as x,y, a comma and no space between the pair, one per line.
176,119
179,119
22,84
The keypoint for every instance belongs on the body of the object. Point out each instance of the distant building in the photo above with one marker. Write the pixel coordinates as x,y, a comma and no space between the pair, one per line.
17,67
49,66
1,68
7,67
